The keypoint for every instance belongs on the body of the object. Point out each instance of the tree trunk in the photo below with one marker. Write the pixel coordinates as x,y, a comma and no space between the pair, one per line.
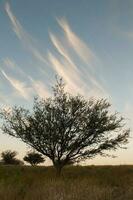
58,170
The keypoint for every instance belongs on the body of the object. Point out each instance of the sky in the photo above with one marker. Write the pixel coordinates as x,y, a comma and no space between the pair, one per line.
89,43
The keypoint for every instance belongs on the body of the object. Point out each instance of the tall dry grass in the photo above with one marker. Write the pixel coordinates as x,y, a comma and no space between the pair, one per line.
76,183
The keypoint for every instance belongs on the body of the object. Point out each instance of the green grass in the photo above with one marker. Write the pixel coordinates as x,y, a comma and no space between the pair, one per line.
76,183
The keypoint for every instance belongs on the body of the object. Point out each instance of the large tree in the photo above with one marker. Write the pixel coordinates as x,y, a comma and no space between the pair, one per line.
67,128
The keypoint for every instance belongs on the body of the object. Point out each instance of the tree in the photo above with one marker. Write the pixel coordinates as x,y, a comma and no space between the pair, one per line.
33,158
67,128
9,158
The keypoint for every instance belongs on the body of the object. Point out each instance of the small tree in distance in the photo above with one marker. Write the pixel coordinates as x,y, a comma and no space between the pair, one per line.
33,158
9,158
67,128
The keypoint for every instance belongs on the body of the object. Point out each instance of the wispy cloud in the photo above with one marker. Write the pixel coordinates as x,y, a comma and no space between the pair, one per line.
69,75
11,65
19,86
39,88
61,49
30,88
77,73
24,36
83,51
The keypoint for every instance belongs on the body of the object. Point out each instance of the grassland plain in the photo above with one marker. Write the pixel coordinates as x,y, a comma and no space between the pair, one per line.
75,183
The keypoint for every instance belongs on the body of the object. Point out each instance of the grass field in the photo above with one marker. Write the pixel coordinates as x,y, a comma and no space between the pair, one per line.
76,183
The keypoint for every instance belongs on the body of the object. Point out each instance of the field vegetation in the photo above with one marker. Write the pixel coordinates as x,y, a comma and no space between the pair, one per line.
75,183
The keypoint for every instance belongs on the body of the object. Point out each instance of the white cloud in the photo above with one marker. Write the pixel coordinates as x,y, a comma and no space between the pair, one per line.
62,50
39,88
83,51
21,87
11,65
78,75
16,25
23,36
79,79
33,87
70,76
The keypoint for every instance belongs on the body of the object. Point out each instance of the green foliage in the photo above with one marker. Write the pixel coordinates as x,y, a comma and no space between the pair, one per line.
67,128
33,158
9,158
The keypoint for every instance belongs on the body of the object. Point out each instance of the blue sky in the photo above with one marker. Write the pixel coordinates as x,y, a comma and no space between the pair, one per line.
89,43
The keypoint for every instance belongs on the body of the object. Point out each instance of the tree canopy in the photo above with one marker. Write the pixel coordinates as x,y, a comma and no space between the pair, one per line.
33,158
67,128
9,158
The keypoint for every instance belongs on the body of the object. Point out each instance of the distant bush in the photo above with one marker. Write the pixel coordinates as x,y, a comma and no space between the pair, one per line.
9,158
33,158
